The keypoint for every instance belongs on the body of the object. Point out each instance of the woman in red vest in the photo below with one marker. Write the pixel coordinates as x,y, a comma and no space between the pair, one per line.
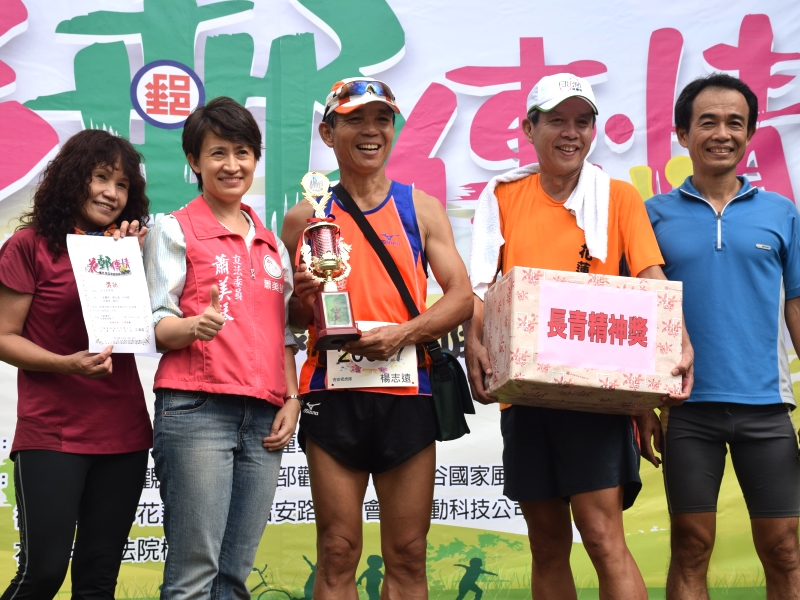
226,387
82,433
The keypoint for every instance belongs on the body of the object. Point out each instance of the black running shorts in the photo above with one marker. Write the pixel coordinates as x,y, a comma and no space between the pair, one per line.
368,431
550,453
763,447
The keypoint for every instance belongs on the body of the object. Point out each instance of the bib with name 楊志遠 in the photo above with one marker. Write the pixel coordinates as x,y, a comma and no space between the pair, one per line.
346,370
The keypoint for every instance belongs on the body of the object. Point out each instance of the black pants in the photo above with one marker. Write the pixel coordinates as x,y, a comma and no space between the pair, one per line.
55,491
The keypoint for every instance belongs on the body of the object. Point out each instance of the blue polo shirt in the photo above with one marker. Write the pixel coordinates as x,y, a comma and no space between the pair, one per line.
736,268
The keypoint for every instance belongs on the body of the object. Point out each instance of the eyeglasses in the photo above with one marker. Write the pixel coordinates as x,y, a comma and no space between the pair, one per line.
352,89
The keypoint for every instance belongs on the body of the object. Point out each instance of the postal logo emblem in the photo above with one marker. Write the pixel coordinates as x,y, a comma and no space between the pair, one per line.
272,268
165,92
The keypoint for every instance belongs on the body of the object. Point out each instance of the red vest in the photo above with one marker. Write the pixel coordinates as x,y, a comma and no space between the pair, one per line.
247,356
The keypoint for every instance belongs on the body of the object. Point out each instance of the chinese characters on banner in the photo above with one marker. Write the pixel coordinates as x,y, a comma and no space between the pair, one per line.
497,143
464,494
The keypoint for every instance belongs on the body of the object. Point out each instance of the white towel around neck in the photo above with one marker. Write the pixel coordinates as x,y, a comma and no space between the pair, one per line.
588,202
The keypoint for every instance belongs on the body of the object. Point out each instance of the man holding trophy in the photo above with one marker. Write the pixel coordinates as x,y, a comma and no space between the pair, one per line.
365,384
565,214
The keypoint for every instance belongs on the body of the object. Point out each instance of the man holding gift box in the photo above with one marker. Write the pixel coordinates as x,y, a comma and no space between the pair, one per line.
565,214
737,250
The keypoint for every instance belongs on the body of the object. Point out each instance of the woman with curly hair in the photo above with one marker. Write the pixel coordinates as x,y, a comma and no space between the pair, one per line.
83,432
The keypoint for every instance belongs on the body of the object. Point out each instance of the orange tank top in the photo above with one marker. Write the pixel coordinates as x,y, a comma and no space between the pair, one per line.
373,295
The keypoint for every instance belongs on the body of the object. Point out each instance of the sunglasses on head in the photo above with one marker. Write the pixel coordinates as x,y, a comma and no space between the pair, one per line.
360,87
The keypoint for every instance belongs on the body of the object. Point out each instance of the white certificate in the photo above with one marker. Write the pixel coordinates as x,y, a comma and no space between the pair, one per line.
113,291
347,370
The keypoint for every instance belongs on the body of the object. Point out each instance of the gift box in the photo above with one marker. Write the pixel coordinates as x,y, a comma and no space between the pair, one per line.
581,341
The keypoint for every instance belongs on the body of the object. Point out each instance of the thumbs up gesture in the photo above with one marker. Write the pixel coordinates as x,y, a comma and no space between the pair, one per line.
208,324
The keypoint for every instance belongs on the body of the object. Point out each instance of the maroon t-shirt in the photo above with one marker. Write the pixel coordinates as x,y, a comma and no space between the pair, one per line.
68,413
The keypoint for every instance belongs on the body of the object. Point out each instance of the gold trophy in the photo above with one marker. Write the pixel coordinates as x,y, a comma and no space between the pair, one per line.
326,257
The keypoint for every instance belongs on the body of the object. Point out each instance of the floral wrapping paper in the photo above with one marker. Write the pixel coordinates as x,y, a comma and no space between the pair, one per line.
511,334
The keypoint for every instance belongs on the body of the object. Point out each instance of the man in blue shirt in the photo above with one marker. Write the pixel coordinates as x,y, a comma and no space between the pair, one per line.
737,250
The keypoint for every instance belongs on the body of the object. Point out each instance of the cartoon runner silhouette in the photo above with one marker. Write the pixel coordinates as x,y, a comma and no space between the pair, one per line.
373,576
468,582
308,588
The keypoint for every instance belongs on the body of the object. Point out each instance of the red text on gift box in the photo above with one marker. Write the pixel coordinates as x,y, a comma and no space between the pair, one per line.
597,327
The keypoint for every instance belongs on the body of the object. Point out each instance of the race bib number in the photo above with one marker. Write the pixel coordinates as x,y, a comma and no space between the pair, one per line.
346,370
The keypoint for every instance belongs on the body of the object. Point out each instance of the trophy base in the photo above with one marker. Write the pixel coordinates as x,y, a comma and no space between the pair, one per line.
333,321
336,337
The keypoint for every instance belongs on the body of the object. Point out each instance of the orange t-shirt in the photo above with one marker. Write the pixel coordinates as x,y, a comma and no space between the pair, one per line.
539,232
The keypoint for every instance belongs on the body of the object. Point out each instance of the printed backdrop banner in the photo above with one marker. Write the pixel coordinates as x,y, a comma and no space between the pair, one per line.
461,72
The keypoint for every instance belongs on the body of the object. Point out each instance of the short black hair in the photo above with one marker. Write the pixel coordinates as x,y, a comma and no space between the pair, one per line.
225,118
685,102
535,113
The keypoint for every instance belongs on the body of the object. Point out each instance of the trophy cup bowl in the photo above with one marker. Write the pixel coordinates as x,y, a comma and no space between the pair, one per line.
325,260
326,257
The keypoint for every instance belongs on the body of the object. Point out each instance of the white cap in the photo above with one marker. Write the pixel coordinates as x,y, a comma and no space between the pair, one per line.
552,90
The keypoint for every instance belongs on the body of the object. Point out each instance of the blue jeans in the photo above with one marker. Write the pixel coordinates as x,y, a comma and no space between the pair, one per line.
217,485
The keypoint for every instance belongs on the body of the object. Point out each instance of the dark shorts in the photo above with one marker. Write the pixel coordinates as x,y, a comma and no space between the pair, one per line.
763,451
365,430
549,453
